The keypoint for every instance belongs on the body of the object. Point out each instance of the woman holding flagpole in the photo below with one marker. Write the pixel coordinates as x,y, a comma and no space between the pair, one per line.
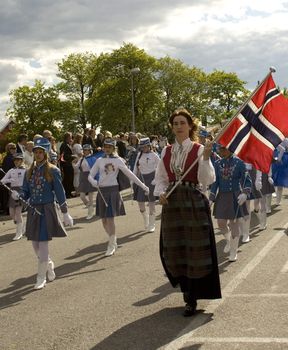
187,242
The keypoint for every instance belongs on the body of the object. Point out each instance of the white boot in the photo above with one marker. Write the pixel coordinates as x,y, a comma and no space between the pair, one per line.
112,246
19,231
262,220
227,236
278,196
245,228
233,248
268,203
151,227
90,212
41,276
146,219
50,271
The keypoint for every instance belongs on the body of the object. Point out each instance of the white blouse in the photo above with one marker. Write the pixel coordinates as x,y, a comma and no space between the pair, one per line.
206,173
147,163
84,165
108,168
14,176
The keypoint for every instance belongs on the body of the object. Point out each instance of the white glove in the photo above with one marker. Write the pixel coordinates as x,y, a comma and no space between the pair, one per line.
270,180
258,185
241,198
146,190
93,182
15,195
68,220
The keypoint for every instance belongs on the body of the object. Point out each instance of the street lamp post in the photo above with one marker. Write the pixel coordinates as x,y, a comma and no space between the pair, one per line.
133,72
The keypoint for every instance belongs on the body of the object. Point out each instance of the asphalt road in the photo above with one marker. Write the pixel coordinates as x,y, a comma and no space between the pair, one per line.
125,301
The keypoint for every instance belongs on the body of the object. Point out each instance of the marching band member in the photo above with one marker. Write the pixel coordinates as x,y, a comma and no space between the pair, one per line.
230,192
187,242
15,177
145,167
85,188
280,169
42,186
109,202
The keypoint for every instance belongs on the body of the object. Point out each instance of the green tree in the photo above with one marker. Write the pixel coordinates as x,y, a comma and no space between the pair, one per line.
75,71
181,86
35,108
112,89
225,93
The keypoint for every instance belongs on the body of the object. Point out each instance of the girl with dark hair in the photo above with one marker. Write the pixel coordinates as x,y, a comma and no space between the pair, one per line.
187,242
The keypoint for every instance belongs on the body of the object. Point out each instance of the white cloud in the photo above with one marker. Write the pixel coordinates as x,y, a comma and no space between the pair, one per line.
245,37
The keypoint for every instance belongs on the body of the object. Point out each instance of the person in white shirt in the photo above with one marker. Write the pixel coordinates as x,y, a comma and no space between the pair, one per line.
85,188
109,202
28,154
145,167
15,177
187,241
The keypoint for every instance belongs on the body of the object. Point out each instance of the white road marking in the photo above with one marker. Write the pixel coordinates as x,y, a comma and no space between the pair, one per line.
187,333
261,295
238,340
285,268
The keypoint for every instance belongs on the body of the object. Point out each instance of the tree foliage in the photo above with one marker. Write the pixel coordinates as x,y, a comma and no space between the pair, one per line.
97,91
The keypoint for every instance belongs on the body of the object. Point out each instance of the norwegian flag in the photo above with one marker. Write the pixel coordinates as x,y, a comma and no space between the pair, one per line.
259,127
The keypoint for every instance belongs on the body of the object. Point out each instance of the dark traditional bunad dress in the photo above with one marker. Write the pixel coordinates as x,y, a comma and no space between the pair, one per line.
187,242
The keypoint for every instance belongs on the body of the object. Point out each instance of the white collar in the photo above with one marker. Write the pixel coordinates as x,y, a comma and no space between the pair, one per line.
186,144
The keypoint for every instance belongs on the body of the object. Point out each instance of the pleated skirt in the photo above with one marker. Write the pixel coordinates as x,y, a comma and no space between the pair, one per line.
114,201
139,194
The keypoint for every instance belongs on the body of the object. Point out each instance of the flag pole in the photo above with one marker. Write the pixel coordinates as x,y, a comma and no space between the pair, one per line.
220,133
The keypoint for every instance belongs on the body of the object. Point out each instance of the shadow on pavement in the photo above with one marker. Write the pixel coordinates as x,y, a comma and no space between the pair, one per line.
162,327
159,293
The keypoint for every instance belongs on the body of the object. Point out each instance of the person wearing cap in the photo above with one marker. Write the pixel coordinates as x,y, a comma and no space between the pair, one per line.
230,192
187,241
42,186
145,167
15,177
109,202
85,188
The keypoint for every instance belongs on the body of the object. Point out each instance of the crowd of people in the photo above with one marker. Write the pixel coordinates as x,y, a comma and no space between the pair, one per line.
193,179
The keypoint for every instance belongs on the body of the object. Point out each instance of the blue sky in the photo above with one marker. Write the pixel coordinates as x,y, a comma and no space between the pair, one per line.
245,37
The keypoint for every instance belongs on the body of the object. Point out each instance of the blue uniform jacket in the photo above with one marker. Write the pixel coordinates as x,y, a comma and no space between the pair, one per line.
39,191
231,176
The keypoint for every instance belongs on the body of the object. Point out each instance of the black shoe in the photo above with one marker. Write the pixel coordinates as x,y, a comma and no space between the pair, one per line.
189,310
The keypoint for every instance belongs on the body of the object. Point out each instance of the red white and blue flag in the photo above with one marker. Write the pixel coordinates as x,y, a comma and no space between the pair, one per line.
259,127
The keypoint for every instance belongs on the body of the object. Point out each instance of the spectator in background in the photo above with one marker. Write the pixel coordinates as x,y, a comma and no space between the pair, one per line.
132,150
99,142
21,143
7,164
47,134
28,154
85,136
121,146
66,157
77,152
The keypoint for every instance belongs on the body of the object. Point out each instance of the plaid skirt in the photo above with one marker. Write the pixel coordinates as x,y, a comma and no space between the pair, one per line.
187,244
115,205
